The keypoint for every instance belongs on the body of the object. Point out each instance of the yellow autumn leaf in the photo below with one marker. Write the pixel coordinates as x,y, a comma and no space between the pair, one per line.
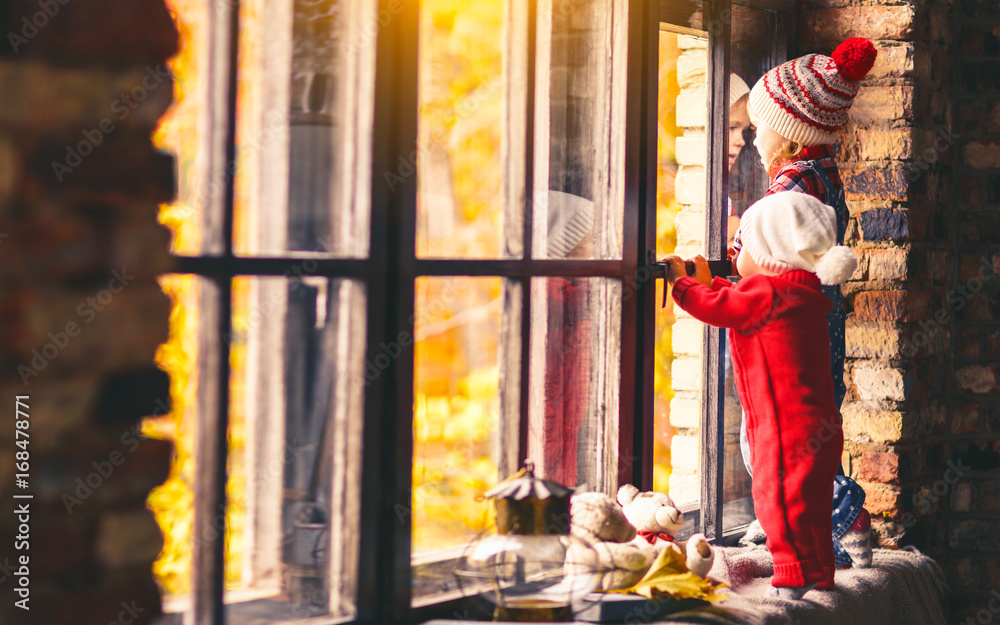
669,576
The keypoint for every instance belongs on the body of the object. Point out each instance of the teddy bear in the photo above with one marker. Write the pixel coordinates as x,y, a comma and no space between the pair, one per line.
599,520
657,520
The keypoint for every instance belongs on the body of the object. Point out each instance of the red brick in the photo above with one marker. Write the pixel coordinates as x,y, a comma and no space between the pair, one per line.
889,182
122,168
937,266
970,116
993,344
982,154
140,31
966,419
873,22
105,102
878,382
896,306
975,535
127,539
994,119
977,379
883,498
972,190
971,42
877,143
978,307
861,423
984,496
901,60
98,599
51,246
867,339
888,264
877,104
880,467
972,266
967,342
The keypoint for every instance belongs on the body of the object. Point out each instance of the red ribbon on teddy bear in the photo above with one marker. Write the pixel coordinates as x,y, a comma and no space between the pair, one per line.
651,536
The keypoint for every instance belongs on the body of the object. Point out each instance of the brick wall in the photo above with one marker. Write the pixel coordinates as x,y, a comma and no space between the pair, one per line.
81,313
920,161
894,411
972,556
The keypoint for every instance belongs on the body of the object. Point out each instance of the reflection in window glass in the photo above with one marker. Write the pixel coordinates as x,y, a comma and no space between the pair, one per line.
574,380
460,88
680,224
456,418
579,122
295,432
753,35
304,127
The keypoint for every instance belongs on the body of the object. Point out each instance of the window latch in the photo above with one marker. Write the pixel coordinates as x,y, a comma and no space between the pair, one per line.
658,270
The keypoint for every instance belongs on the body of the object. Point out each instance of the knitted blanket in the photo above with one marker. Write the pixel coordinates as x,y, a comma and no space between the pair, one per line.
901,588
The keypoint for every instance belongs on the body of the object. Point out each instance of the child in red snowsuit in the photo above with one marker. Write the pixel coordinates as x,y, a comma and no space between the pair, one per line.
776,315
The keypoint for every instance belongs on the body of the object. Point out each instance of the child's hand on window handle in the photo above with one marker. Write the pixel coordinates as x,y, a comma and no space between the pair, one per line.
675,269
701,271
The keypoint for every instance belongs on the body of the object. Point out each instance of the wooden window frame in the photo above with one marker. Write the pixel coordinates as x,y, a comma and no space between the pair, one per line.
389,274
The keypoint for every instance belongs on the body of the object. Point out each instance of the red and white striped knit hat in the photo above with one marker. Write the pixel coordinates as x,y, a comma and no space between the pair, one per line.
806,99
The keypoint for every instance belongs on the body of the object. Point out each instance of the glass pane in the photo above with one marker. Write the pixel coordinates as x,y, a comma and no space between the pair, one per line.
305,126
755,33
579,153
295,438
575,364
680,224
456,426
461,83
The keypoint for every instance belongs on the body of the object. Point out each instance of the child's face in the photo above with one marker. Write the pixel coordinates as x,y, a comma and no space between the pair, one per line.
738,122
767,141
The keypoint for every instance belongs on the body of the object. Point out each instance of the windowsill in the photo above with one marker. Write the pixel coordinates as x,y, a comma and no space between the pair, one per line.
901,587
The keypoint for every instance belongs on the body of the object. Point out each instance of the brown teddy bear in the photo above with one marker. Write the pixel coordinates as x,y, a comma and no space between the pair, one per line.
599,520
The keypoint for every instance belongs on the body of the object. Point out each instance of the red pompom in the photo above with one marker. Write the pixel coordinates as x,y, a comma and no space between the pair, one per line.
854,58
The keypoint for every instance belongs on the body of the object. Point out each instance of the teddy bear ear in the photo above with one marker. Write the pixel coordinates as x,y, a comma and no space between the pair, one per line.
626,494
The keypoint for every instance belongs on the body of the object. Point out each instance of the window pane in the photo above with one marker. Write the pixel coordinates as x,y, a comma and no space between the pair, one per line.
295,433
580,88
755,34
456,426
305,126
680,224
458,157
575,364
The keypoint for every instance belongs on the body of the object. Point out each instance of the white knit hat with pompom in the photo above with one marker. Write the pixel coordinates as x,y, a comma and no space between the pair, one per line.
791,230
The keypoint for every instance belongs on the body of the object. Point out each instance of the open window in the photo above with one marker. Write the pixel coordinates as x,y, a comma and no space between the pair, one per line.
417,242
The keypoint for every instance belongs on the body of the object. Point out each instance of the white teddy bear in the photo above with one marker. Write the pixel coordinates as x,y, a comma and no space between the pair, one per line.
657,520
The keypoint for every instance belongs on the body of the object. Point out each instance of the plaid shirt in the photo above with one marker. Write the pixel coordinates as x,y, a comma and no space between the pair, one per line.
794,177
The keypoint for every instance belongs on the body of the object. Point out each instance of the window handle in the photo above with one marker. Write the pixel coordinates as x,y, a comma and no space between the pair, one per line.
658,269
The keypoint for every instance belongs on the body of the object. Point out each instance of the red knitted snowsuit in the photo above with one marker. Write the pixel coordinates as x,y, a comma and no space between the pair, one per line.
781,361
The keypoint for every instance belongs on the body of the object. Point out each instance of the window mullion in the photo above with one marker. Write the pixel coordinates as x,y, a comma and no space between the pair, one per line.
385,532
208,565
718,21
527,20
641,185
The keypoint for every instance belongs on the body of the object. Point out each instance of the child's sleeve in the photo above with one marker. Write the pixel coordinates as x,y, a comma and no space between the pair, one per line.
723,305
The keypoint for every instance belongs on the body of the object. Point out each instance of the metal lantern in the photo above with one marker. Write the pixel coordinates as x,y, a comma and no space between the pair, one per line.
529,566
